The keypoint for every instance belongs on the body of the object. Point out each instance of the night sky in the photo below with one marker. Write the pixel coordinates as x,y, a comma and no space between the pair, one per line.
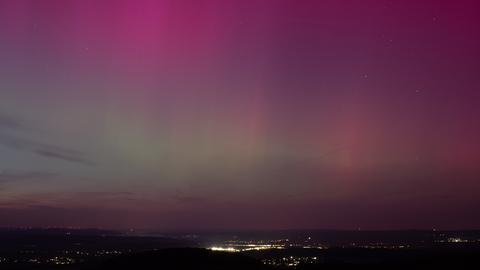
192,115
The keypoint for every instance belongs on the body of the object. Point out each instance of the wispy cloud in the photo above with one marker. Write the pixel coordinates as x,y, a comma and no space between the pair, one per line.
63,155
17,140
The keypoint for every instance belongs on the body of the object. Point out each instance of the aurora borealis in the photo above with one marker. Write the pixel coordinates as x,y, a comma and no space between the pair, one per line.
245,114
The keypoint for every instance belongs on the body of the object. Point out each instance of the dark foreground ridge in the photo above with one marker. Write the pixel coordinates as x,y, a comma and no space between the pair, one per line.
196,259
93,250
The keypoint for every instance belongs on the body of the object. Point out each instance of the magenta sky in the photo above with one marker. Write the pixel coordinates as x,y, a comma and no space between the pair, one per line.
240,114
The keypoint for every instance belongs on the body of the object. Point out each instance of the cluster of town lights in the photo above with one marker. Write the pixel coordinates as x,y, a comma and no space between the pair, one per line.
245,248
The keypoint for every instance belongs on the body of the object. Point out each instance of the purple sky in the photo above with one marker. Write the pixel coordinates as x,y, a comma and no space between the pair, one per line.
244,114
